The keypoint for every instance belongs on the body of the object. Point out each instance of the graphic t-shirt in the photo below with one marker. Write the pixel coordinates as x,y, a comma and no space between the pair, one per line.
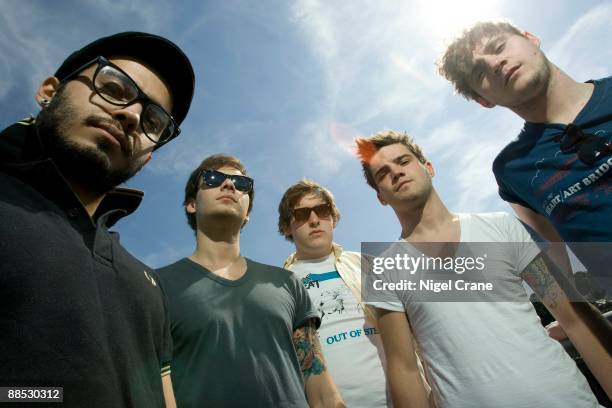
351,345
576,197
492,354
233,339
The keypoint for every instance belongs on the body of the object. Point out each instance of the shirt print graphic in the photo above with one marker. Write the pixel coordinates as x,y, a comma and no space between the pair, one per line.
556,182
331,301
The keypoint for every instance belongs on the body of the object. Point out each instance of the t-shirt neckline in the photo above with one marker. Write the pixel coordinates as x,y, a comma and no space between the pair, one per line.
224,281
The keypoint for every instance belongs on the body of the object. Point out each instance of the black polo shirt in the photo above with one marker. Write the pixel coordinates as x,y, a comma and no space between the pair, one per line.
76,309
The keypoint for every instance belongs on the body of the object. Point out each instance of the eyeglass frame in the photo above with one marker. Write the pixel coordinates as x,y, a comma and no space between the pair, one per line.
580,138
311,209
202,179
141,96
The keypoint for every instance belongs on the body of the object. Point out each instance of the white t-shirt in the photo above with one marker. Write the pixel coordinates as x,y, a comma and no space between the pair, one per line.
351,345
493,354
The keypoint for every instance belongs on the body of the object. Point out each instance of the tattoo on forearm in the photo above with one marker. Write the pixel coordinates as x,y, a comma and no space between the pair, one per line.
308,350
541,281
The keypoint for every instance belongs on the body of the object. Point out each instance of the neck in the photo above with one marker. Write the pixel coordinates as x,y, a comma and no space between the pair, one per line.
90,200
423,221
217,246
560,101
305,254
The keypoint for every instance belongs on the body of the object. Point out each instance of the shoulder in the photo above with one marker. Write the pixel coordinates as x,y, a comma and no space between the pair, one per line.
487,217
173,267
353,256
498,227
513,149
606,81
522,146
277,277
489,226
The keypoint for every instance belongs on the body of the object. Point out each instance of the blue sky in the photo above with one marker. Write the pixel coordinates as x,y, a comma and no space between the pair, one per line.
286,86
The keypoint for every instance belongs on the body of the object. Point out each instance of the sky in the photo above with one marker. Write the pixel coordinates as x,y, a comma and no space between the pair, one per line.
287,85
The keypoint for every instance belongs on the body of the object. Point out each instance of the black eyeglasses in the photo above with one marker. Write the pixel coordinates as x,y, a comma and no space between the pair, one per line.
117,88
302,214
589,147
214,178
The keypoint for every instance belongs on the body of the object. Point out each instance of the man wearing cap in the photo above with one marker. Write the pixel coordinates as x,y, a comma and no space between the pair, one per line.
77,311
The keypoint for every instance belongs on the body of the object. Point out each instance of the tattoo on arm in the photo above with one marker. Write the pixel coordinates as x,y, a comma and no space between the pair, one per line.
539,278
308,349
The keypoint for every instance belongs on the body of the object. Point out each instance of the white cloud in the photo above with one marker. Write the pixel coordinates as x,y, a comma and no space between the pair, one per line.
378,65
369,70
179,159
166,255
34,40
584,51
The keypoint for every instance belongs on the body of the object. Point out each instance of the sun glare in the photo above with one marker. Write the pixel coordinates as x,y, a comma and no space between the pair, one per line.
445,18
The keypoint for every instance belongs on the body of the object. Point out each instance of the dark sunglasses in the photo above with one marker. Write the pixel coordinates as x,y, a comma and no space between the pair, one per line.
116,87
214,178
302,214
589,147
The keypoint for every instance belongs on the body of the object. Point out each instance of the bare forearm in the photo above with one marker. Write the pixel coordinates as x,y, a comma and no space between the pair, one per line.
168,391
321,392
587,329
591,335
407,389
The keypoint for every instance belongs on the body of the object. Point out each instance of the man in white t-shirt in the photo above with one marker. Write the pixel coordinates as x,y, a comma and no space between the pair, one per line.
332,277
476,354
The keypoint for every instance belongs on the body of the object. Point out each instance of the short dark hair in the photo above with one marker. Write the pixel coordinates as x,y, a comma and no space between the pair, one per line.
368,146
214,162
295,194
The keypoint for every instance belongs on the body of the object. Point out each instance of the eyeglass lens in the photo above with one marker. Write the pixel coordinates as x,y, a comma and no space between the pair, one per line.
214,178
302,214
117,88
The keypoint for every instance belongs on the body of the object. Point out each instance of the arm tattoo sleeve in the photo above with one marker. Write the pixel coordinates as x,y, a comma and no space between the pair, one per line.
308,350
539,278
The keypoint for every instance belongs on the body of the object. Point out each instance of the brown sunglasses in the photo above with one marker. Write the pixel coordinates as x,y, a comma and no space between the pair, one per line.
302,214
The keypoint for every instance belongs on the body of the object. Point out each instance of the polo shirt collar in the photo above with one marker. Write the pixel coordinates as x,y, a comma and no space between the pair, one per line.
22,154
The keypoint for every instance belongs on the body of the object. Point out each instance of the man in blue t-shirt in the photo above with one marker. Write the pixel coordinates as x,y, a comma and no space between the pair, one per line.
556,173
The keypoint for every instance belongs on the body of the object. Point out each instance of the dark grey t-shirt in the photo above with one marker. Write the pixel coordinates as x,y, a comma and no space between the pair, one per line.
233,339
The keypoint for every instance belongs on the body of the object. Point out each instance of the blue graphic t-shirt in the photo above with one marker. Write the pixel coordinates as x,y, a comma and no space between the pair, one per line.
576,197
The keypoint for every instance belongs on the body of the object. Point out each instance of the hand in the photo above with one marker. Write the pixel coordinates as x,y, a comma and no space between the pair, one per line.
555,331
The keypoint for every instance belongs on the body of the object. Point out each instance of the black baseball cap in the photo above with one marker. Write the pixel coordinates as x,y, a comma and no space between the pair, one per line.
159,53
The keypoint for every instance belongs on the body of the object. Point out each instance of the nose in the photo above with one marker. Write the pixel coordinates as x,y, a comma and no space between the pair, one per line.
396,173
498,63
313,218
129,117
228,185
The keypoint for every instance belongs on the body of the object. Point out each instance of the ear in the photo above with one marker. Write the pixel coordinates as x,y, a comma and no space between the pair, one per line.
430,169
483,102
190,207
382,201
532,38
46,90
